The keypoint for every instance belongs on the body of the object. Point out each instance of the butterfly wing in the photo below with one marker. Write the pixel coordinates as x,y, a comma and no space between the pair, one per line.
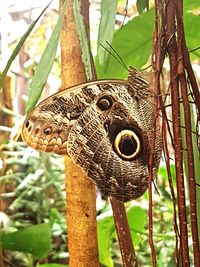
105,128
47,127
111,142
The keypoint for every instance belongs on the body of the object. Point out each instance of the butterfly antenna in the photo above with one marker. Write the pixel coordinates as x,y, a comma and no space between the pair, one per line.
146,68
195,49
117,57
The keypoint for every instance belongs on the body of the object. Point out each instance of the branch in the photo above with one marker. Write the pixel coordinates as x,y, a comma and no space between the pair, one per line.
188,135
123,232
172,51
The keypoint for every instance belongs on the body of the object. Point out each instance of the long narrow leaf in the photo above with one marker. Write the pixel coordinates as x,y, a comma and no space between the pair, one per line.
18,47
46,62
83,39
106,28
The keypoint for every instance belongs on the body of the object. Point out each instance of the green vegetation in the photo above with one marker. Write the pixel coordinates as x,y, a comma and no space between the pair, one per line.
34,226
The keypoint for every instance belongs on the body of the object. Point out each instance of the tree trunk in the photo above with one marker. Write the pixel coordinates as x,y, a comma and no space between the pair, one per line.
80,191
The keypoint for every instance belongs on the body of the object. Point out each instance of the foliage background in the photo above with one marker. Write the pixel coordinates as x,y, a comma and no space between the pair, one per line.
32,183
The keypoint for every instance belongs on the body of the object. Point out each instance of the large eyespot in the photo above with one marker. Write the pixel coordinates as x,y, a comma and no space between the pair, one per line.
127,144
105,102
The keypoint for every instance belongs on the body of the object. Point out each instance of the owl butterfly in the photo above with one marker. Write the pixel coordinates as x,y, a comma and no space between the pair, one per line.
105,127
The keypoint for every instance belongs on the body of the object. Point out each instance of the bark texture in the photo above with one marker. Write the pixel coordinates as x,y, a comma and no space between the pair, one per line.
81,205
169,38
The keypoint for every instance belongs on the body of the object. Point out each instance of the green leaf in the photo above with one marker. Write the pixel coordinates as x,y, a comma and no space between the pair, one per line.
137,219
191,4
133,43
35,240
55,215
105,230
19,46
106,28
162,171
44,67
83,39
142,5
192,34
122,2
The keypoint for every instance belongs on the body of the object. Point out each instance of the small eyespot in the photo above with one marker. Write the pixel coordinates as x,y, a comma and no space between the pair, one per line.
29,128
106,125
105,102
127,144
27,124
48,130
37,129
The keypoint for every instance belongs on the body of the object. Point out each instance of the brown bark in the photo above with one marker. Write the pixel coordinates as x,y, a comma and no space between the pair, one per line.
183,52
150,211
173,57
125,242
175,224
191,171
157,63
169,37
6,98
80,191
157,60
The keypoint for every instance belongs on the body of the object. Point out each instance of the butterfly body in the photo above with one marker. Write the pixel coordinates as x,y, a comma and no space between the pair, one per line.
105,127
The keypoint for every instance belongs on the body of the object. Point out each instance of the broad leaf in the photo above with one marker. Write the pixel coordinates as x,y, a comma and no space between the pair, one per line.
192,33
133,43
106,229
190,5
142,5
137,219
35,240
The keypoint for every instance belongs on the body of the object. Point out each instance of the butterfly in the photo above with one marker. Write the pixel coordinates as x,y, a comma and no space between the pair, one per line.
105,127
